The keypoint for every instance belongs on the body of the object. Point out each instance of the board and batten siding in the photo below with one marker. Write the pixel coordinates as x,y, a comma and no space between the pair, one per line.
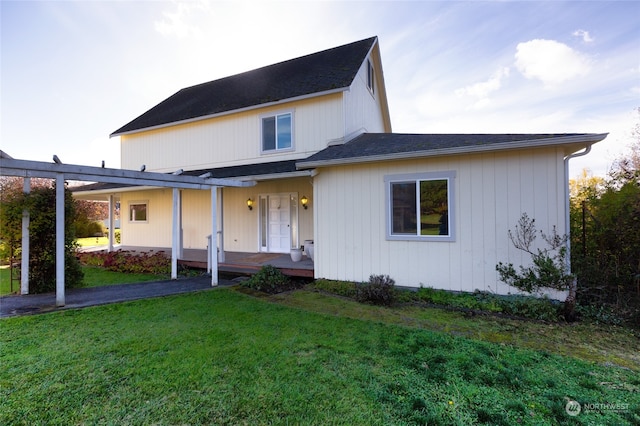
234,139
241,225
363,110
492,190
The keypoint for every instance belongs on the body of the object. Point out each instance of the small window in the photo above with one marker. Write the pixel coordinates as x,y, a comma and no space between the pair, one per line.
138,211
277,132
420,207
370,77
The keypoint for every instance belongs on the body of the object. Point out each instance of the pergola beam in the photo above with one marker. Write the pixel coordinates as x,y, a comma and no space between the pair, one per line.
25,169
61,172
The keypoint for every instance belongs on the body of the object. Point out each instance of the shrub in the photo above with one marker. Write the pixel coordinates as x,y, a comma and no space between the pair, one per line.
86,229
530,307
341,288
380,290
129,262
549,269
41,203
599,314
269,279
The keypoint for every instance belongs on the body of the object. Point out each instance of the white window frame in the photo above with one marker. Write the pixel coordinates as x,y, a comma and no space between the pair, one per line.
136,203
449,176
275,115
371,79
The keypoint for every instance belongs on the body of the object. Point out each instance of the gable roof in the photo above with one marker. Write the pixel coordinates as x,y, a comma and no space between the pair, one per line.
329,70
370,147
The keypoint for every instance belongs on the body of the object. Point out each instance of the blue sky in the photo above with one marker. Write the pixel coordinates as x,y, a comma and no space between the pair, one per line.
72,72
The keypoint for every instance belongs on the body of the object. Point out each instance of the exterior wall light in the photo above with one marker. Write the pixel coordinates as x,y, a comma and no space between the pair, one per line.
304,201
250,204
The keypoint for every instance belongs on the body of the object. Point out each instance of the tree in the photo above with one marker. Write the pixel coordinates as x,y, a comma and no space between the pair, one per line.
549,268
41,203
605,235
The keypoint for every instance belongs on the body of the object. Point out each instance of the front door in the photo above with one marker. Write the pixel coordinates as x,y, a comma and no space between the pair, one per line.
278,223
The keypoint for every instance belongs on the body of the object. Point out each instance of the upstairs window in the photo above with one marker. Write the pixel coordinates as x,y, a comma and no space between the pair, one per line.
420,207
370,76
277,132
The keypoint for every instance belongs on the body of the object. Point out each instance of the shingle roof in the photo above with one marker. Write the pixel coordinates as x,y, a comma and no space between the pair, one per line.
372,146
247,170
315,73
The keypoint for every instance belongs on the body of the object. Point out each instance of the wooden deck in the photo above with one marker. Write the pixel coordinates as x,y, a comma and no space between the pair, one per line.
235,262
250,263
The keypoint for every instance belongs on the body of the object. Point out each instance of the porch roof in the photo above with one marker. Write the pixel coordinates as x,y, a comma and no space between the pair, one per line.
370,147
245,172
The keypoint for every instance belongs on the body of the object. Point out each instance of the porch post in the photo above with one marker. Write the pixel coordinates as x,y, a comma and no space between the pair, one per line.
175,237
181,240
111,222
221,253
214,236
60,240
24,266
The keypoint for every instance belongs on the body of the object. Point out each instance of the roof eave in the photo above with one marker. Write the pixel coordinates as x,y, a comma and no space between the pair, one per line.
234,111
273,176
585,139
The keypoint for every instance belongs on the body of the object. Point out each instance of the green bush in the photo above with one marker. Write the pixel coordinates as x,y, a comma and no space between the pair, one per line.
380,290
128,262
269,279
86,229
601,314
341,288
41,203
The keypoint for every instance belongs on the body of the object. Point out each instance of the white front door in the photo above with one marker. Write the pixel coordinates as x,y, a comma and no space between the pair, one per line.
278,223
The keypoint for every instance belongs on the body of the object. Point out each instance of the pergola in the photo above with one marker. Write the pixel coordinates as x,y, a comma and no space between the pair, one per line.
61,172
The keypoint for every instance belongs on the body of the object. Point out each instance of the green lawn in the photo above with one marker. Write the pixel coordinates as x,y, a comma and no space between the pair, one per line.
222,357
5,281
93,241
93,277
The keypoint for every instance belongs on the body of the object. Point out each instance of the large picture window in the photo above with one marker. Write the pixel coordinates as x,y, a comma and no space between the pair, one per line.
138,211
420,207
277,132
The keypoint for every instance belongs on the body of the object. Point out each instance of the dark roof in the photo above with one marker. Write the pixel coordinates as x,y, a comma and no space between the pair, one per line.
259,169
371,145
318,72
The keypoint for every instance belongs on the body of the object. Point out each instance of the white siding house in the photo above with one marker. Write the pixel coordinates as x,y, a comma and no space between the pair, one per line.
429,210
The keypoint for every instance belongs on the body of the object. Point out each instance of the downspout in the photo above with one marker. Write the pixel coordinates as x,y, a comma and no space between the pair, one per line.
570,302
567,208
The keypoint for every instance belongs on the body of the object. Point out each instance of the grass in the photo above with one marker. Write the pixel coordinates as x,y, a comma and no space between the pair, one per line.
93,277
5,281
92,241
223,357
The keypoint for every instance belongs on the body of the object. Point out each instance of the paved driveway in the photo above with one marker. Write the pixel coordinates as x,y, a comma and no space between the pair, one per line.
81,297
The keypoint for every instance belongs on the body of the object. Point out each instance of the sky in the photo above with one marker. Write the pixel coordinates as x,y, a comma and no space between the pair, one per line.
72,72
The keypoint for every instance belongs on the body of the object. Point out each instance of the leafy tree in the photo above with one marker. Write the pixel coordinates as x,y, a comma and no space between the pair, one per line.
605,235
41,202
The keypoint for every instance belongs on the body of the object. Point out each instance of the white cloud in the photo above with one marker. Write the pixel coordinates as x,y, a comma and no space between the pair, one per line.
177,23
585,35
550,61
483,89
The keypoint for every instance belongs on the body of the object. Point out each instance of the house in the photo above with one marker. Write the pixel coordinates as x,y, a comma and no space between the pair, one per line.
314,134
